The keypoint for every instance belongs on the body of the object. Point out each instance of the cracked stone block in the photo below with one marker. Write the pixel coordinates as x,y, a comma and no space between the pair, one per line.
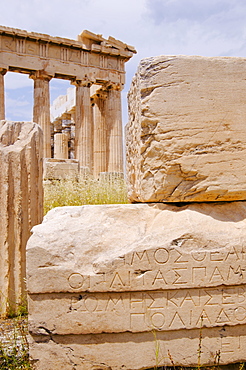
186,136
104,290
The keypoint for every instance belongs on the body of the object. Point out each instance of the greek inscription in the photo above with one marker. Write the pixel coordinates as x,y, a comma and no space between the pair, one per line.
114,303
159,278
222,317
180,258
216,275
229,344
198,256
76,281
180,279
157,320
161,255
140,257
198,274
164,310
117,281
177,320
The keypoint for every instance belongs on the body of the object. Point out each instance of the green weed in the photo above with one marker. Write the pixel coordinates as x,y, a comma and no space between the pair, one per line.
14,345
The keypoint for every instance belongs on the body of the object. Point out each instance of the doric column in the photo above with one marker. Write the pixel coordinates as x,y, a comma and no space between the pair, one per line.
61,146
114,129
41,108
2,102
100,133
83,125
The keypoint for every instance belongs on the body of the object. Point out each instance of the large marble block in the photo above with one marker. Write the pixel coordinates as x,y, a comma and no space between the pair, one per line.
110,284
186,136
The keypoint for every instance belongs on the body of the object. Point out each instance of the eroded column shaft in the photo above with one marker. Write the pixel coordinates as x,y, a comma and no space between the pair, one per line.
61,146
100,135
83,127
41,108
21,198
114,131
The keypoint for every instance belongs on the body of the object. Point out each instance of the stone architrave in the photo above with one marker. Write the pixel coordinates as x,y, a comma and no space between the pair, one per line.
41,107
186,137
83,126
114,130
2,95
121,281
21,199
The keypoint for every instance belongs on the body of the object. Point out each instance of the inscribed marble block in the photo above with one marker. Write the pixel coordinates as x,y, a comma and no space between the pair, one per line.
186,136
108,284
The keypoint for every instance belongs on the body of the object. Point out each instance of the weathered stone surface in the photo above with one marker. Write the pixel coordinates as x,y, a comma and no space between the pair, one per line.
107,277
57,169
21,199
186,136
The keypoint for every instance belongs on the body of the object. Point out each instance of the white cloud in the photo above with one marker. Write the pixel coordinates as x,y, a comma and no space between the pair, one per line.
154,27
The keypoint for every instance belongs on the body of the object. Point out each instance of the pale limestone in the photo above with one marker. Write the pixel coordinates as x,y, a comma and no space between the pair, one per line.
113,278
21,199
186,136
57,169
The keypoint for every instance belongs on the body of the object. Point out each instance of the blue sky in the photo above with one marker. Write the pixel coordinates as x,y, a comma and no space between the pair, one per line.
154,27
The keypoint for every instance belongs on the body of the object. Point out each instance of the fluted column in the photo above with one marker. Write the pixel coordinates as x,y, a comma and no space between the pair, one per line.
21,194
41,108
2,100
100,133
83,125
61,146
114,130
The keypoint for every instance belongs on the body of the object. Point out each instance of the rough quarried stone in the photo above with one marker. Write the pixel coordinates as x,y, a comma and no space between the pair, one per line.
186,136
57,169
116,281
21,199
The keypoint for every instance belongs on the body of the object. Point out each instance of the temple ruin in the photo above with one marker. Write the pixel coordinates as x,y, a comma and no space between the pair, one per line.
93,64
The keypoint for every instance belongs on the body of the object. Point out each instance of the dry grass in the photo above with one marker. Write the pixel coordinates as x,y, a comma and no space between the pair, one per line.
59,193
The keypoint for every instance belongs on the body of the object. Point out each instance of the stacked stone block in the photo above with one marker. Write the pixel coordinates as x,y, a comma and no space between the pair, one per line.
161,282
21,198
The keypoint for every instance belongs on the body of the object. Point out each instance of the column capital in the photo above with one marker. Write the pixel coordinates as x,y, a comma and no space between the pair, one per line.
40,75
85,82
3,71
112,86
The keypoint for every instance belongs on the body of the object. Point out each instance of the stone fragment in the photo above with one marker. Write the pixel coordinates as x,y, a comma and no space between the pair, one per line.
57,169
108,284
186,137
21,199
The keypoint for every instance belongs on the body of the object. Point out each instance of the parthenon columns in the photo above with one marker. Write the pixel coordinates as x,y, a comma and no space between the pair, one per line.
114,130
61,146
84,126
41,108
100,133
2,103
